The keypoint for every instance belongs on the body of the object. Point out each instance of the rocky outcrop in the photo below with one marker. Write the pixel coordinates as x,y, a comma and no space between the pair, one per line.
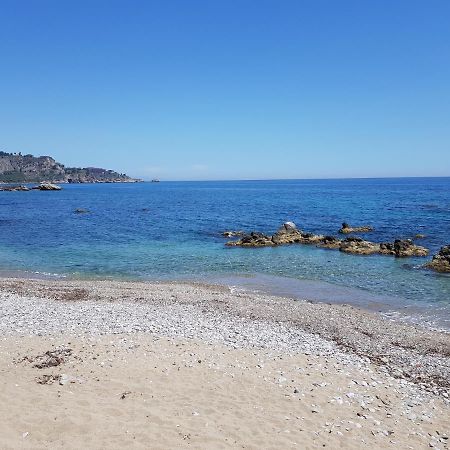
358,246
441,261
330,242
288,233
346,228
14,188
399,248
402,248
47,187
253,239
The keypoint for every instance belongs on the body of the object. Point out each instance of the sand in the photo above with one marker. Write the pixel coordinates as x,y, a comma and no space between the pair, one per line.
188,366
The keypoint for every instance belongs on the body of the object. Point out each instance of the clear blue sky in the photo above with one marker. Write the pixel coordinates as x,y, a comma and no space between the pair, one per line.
229,89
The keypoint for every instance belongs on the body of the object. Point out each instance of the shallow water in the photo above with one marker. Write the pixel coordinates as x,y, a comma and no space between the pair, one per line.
171,230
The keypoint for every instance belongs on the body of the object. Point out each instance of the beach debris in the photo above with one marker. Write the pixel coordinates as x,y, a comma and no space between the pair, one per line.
63,379
441,260
52,358
124,395
346,228
47,379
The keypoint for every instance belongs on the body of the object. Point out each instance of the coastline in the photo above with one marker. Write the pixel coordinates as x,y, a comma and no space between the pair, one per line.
343,376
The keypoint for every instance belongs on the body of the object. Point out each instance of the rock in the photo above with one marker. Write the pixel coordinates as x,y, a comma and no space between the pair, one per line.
15,188
441,261
287,234
346,228
81,211
63,379
402,248
419,236
47,187
253,239
358,246
288,226
311,238
233,233
329,242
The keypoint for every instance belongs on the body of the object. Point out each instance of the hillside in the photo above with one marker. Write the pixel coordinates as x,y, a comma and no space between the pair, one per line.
18,168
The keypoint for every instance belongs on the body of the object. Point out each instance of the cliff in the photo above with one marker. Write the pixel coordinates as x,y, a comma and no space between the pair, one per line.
18,168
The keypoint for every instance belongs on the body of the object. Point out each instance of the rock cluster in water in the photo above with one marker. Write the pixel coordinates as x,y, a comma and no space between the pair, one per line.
288,233
39,187
14,188
47,187
346,228
441,261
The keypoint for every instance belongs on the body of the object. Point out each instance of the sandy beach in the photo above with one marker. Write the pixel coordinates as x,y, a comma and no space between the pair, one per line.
108,364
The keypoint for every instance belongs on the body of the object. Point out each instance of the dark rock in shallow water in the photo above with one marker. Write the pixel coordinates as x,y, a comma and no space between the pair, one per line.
81,211
441,261
253,239
402,248
346,228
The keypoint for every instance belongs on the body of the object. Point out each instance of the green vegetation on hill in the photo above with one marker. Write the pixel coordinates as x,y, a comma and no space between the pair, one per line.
18,168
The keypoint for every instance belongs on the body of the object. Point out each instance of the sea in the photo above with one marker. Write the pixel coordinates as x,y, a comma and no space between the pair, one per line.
173,231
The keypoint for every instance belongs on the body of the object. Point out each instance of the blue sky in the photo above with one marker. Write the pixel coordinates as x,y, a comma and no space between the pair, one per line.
229,89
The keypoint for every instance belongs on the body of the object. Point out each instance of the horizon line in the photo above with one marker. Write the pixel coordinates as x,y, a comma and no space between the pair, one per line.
290,179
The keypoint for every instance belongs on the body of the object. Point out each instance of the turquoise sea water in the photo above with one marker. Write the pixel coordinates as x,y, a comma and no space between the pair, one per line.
171,230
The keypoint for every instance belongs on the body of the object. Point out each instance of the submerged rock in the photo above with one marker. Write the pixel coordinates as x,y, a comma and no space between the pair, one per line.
358,246
233,233
402,248
81,211
441,261
346,228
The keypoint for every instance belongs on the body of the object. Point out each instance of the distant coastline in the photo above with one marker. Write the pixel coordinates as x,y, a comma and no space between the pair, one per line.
18,168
